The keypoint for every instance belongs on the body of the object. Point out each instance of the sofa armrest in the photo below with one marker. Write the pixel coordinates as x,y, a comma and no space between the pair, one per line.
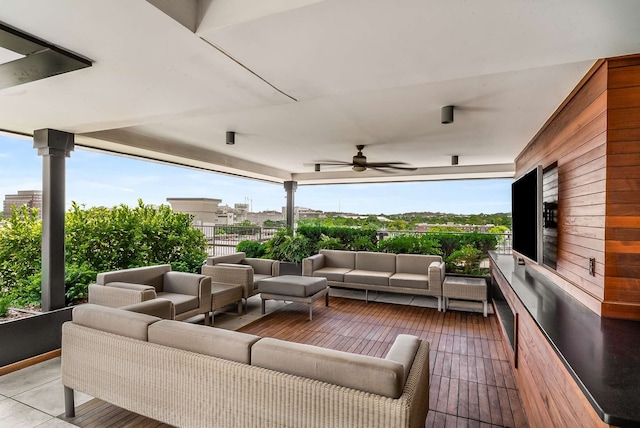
312,263
263,266
231,274
161,308
436,276
117,294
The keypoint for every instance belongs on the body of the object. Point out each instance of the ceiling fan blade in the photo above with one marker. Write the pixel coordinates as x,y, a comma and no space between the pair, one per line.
381,169
331,162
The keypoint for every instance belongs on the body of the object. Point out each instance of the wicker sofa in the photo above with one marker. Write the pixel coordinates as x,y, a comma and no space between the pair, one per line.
194,376
395,273
239,269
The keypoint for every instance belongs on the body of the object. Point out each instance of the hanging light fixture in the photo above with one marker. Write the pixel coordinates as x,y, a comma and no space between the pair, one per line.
446,114
231,138
454,160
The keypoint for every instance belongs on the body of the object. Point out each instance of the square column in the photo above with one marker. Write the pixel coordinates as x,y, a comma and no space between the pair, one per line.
54,147
290,187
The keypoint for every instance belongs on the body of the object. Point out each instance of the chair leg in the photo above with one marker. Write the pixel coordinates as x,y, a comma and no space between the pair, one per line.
240,307
485,308
326,299
262,307
69,404
311,311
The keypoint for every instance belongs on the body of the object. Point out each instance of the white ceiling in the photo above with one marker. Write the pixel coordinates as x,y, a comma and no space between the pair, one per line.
305,80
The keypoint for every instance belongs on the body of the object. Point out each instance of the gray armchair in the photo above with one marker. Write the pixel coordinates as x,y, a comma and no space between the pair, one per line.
239,269
189,293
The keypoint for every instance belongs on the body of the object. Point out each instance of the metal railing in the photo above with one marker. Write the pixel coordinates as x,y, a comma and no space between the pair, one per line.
222,239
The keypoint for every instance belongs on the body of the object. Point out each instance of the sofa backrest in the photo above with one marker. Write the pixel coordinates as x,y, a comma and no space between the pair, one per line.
339,258
216,342
114,320
147,275
415,263
235,258
382,262
361,372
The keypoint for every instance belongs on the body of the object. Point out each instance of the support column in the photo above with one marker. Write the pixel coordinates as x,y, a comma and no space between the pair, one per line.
290,187
54,146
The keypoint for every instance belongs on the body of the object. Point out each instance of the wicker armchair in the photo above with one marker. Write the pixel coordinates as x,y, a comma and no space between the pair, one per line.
239,269
190,293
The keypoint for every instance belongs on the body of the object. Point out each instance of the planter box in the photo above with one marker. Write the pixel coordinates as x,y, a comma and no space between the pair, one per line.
28,337
290,268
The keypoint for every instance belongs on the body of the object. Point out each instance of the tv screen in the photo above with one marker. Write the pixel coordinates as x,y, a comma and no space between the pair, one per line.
526,215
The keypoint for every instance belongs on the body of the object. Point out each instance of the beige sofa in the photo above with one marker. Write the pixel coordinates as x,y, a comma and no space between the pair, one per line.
239,269
190,293
197,376
395,273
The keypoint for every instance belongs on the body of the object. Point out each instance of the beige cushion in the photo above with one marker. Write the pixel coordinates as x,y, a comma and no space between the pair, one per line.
296,286
216,342
375,261
339,258
403,351
409,280
149,275
260,266
332,273
361,372
257,278
368,277
415,263
113,320
182,302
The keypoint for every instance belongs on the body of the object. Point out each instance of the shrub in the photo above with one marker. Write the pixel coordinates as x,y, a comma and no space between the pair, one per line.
5,301
327,243
286,247
410,244
252,249
465,260
350,238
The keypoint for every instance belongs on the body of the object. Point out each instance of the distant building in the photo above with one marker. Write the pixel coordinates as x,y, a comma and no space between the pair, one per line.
301,212
203,210
261,217
29,198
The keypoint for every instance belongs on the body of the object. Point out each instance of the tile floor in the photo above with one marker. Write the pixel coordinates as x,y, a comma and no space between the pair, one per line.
33,397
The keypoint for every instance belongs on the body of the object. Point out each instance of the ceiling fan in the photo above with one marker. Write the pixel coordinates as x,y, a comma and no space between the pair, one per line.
359,163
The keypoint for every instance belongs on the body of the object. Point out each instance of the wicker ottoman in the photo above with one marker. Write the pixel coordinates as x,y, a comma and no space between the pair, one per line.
456,287
303,289
223,295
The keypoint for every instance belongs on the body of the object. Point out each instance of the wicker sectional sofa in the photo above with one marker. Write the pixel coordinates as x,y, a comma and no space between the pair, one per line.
195,376
395,273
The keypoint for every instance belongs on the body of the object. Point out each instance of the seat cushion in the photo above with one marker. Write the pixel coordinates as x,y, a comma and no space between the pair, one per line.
113,320
257,278
332,273
182,302
290,285
410,280
368,277
361,372
216,342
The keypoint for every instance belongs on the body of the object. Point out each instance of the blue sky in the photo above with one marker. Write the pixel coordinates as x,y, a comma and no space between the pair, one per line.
98,179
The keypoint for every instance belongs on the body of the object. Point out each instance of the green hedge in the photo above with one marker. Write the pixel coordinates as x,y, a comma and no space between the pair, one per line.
96,240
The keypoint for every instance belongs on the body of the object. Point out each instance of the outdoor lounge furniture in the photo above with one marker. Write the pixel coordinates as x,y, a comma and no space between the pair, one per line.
190,293
223,295
457,287
166,370
394,273
294,288
239,269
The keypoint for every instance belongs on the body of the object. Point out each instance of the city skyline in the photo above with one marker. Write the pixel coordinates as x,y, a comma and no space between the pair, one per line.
98,179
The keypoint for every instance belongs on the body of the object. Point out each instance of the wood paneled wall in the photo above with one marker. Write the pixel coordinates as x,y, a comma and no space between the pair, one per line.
622,224
550,397
595,138
575,138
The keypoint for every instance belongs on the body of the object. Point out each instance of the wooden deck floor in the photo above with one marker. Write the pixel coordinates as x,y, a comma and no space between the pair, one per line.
472,384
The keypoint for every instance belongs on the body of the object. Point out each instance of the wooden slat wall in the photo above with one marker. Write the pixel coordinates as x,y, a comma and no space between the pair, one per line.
575,138
550,397
622,224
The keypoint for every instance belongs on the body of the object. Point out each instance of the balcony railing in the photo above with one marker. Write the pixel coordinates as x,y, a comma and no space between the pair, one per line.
223,239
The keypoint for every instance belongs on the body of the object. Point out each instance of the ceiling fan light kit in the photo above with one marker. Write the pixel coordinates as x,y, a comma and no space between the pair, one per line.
446,114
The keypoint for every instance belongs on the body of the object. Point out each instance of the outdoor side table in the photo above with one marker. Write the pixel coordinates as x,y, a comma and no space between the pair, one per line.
463,288
225,294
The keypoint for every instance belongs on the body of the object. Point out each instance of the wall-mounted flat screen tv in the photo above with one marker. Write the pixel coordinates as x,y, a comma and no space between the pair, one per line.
526,214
